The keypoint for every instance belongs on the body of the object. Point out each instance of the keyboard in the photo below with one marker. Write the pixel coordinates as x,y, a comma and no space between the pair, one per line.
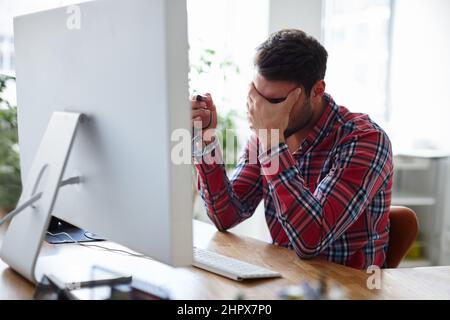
228,267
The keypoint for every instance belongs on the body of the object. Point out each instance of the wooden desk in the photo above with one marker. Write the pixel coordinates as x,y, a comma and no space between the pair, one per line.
72,263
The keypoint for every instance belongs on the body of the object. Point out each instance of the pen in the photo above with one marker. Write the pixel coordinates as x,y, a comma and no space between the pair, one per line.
200,98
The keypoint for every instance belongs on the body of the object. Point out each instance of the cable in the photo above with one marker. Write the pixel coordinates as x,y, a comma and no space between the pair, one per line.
99,247
35,198
38,196
21,207
73,180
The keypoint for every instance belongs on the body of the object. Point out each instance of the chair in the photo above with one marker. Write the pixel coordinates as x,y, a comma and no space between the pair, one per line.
404,229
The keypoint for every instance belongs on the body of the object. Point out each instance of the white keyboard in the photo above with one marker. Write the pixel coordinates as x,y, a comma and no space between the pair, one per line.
229,267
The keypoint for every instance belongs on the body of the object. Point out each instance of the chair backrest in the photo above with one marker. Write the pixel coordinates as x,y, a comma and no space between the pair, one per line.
404,229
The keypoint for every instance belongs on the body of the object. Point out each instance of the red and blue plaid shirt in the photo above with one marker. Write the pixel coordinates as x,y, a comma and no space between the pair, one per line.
330,199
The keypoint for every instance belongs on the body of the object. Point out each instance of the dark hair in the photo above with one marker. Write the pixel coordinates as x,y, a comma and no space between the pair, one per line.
292,55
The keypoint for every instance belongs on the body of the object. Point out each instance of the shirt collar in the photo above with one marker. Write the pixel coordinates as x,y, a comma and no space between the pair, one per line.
323,126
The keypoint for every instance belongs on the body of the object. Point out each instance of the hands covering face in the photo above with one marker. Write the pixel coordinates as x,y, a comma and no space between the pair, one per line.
264,116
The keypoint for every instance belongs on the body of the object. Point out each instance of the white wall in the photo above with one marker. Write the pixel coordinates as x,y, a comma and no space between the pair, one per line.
300,14
421,72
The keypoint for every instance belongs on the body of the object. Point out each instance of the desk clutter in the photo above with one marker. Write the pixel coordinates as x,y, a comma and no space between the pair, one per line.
322,289
317,290
106,285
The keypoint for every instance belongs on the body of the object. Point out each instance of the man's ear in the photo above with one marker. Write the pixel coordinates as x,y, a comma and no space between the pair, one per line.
317,91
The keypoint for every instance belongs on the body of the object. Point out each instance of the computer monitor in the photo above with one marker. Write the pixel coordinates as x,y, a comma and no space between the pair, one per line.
124,65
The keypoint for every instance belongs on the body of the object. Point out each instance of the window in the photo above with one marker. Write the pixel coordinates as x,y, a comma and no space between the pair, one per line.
6,55
357,36
223,36
386,57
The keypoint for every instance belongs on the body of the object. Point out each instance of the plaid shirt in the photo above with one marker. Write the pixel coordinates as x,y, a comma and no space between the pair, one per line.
329,199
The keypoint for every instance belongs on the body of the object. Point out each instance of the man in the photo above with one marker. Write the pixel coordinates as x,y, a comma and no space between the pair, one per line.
326,182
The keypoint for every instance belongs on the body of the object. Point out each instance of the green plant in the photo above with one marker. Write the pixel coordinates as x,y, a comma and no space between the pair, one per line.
10,183
226,126
209,63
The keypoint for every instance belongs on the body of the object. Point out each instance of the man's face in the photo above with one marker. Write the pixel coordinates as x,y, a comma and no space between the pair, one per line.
277,91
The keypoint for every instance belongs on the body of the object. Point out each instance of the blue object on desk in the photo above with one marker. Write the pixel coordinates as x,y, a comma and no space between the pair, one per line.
57,229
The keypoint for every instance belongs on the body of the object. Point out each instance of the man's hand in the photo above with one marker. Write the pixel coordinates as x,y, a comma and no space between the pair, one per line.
264,115
204,115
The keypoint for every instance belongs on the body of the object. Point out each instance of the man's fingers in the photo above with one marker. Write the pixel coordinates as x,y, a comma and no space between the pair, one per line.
250,119
253,94
249,103
200,113
209,102
250,108
206,103
293,96
198,105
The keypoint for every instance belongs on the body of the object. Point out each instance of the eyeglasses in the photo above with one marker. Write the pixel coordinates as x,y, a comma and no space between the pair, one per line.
272,100
276,100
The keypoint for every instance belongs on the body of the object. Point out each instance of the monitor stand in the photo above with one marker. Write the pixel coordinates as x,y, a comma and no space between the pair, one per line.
60,231
26,231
